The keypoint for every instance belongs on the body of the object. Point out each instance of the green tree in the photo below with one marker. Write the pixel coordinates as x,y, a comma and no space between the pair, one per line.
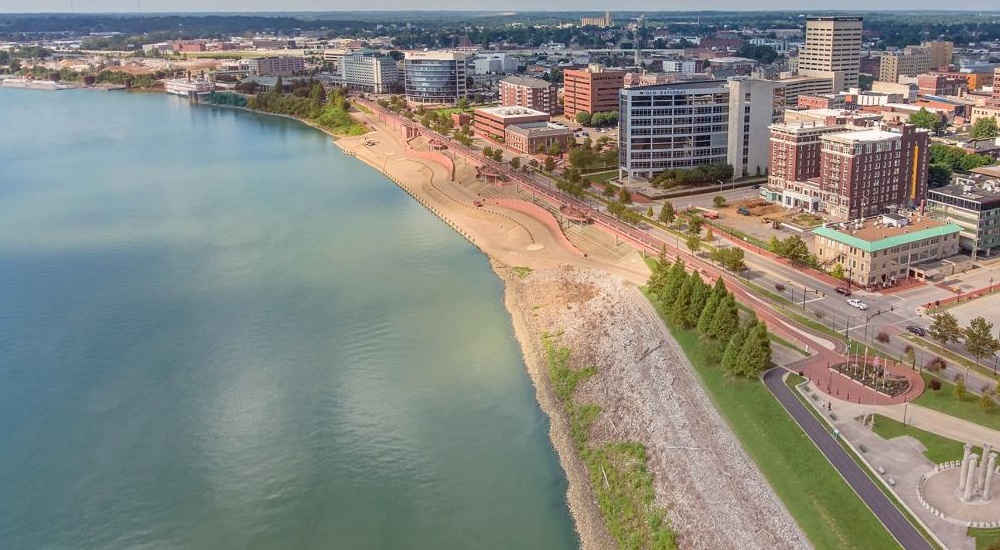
837,272
986,403
624,196
729,357
719,201
755,354
730,257
938,175
660,276
667,214
726,319
979,340
699,295
693,243
945,328
515,163
583,118
550,164
984,128
959,391
679,311
675,280
715,297
926,119
694,225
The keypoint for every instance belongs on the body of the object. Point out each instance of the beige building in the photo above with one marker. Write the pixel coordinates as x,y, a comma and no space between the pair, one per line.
984,111
941,52
832,50
887,249
912,61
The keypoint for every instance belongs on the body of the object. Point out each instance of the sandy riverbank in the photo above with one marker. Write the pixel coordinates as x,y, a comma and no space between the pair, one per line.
714,494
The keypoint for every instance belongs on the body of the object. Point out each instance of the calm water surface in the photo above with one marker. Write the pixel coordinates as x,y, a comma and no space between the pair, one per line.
217,331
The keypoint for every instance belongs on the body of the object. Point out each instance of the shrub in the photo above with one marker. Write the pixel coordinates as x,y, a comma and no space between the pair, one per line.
936,364
935,384
883,337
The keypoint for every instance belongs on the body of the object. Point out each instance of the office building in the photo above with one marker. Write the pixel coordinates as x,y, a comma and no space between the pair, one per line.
495,63
275,66
591,90
435,77
832,50
683,125
532,93
796,86
794,160
602,22
941,52
971,202
912,61
886,250
537,137
492,122
369,72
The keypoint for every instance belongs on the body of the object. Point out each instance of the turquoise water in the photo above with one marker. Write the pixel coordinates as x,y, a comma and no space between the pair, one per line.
217,331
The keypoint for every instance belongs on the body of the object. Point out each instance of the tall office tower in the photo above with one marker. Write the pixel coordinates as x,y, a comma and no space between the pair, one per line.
941,52
832,50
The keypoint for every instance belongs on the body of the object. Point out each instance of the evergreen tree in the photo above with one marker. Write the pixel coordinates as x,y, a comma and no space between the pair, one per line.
708,313
755,356
675,279
679,312
729,357
667,214
658,279
726,320
699,295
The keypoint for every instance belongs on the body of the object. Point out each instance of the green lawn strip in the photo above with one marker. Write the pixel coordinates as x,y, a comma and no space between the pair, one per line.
939,448
944,401
362,108
945,353
793,380
601,177
985,538
618,472
825,507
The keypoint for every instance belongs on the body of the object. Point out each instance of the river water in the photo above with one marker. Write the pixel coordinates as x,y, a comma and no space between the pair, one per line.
217,331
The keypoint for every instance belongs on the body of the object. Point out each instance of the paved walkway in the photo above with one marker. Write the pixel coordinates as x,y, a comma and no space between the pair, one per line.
884,509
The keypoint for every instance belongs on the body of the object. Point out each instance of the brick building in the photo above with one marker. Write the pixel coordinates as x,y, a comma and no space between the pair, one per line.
941,84
592,90
492,122
531,93
537,137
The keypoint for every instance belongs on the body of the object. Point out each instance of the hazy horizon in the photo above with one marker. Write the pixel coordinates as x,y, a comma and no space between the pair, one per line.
291,6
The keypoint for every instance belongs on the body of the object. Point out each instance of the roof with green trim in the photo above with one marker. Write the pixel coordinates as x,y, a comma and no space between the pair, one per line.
887,242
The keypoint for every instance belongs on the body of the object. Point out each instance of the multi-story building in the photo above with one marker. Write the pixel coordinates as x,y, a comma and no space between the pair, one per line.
753,106
854,173
821,101
912,61
591,90
971,202
369,72
985,111
435,77
537,137
832,50
684,125
495,63
492,122
941,52
602,22
533,93
939,84
275,66
885,250
796,86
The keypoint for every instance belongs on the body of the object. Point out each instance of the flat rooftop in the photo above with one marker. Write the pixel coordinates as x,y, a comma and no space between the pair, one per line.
513,111
534,129
873,235
863,136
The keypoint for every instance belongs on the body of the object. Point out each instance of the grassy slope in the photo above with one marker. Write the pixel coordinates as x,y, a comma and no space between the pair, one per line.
939,449
825,507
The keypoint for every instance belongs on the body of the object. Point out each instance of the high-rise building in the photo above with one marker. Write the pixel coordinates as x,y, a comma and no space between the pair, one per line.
832,50
912,61
794,160
593,90
941,52
597,21
435,77
275,66
683,125
533,93
369,72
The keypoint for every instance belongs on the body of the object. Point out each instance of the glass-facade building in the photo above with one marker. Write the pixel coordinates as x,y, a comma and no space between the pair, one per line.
435,77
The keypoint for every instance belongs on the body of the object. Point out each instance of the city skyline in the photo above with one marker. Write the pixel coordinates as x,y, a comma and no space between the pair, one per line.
177,6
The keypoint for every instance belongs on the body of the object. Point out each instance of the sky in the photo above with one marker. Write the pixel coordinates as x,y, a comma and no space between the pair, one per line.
147,6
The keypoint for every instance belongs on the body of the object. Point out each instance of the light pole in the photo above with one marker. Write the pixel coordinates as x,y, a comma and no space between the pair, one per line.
721,183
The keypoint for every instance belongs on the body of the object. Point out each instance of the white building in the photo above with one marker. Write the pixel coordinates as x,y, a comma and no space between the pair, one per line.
369,72
495,63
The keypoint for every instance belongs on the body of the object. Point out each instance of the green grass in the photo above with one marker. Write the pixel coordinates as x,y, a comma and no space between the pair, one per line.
617,471
944,401
361,108
825,507
985,537
337,120
601,177
939,449
522,272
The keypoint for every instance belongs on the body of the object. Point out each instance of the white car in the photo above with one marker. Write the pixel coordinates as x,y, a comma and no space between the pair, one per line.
857,303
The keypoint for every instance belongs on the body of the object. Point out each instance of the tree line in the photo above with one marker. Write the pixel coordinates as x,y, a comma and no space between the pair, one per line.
977,336
689,303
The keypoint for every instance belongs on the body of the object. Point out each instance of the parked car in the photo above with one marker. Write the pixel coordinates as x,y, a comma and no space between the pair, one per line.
843,290
857,303
919,331
755,186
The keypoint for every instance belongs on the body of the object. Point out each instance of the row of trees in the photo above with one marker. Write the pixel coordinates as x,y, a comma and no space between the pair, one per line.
946,159
978,335
309,100
591,155
691,303
702,174
599,119
792,248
